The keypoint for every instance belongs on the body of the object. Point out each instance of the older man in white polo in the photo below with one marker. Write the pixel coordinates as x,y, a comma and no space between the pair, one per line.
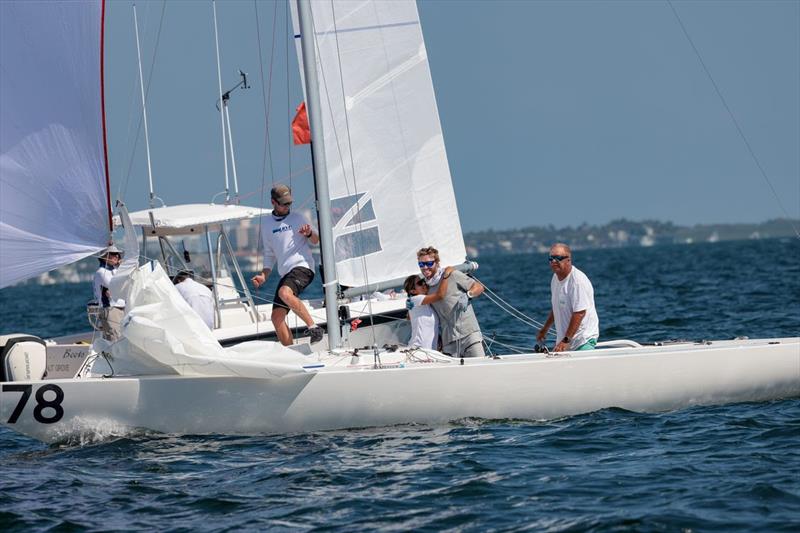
572,298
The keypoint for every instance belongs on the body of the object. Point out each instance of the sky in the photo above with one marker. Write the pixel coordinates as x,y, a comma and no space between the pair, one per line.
552,112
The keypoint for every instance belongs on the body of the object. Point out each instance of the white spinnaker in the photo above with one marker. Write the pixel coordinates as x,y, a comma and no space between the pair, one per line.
162,334
390,184
53,208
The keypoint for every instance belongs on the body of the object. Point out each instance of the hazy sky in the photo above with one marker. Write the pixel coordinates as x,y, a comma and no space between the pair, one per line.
553,112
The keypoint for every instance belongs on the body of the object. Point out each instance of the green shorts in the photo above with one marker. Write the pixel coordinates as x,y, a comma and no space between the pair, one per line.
590,344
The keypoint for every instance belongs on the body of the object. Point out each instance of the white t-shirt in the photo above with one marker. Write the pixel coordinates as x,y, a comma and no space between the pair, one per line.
574,293
200,298
424,324
102,278
282,243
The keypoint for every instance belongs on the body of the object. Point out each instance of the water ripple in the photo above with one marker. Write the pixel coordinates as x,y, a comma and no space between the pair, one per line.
726,468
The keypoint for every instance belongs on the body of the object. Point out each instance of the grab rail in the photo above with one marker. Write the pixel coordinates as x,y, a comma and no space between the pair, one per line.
618,343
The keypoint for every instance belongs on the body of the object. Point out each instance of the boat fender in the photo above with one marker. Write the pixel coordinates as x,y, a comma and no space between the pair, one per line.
462,361
22,358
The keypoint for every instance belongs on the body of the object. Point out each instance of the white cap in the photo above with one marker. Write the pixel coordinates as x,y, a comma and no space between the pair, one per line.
111,250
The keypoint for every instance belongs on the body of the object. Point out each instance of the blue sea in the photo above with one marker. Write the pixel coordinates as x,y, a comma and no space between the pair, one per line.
722,468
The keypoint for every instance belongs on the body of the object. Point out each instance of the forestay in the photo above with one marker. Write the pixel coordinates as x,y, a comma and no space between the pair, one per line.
53,206
390,186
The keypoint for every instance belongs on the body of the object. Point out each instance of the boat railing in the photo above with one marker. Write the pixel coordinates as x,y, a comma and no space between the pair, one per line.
618,343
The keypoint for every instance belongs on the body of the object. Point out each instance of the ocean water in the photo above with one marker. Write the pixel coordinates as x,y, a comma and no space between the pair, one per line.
722,468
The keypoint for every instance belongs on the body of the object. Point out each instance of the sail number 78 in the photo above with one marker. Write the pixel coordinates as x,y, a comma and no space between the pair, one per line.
55,411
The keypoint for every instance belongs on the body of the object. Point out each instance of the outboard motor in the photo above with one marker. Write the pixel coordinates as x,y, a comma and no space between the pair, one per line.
22,358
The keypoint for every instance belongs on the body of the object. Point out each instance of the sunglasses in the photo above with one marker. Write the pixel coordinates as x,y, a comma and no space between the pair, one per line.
420,282
557,258
427,264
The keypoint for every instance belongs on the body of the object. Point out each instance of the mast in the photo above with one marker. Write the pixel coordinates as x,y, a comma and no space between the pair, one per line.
307,42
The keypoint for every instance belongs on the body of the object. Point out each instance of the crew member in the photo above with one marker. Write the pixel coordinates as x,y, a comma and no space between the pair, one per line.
111,311
461,334
198,296
572,299
286,237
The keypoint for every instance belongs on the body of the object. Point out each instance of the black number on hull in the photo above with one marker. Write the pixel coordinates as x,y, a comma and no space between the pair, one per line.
26,393
42,403
55,405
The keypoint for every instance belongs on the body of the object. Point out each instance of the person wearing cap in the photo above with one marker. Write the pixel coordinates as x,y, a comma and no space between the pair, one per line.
111,311
198,296
286,237
572,300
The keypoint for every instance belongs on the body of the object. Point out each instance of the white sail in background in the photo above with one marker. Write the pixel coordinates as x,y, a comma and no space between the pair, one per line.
390,186
53,207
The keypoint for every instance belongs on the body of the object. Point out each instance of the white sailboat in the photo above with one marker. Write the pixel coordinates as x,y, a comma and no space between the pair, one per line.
377,136
67,160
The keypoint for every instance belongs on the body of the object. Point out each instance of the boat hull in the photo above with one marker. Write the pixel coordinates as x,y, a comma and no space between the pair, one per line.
646,379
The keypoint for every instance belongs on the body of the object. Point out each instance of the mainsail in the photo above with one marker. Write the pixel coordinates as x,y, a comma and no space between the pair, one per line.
390,186
53,193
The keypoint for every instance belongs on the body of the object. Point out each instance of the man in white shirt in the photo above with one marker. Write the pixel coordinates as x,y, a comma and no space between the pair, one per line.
111,311
286,237
198,296
572,299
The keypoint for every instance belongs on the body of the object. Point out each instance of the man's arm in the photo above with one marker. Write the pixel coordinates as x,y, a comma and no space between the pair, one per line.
441,290
308,232
475,290
574,324
546,327
260,279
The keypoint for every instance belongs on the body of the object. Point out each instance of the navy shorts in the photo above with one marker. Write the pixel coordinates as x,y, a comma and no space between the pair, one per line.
296,279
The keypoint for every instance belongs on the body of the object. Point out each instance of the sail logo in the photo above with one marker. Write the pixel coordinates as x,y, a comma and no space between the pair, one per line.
356,227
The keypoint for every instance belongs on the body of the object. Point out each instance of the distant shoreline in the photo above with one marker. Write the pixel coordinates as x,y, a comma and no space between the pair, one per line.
619,233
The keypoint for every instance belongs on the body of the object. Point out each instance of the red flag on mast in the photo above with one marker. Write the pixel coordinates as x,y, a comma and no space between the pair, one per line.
300,130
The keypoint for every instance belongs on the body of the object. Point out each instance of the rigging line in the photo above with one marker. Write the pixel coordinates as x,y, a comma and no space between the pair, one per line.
508,307
354,192
315,44
733,119
518,349
381,30
513,312
221,102
266,93
506,304
267,99
264,186
289,39
357,215
533,324
122,190
491,299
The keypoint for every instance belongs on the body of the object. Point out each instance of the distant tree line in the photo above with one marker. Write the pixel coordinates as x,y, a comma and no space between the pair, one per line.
619,233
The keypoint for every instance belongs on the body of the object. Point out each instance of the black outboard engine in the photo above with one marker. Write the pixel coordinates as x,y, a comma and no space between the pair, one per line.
22,358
